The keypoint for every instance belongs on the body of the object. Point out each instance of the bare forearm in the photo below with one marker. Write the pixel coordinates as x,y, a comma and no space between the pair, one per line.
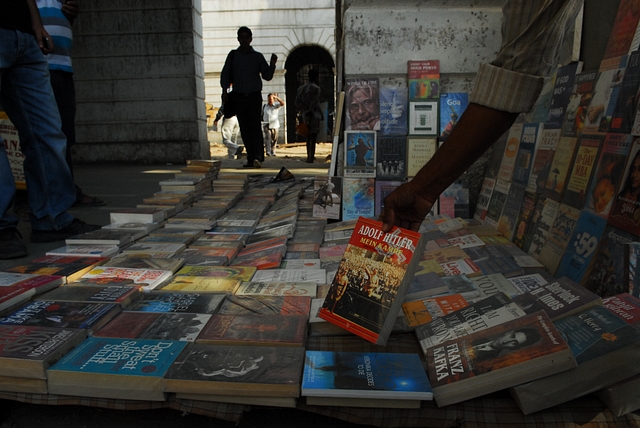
478,128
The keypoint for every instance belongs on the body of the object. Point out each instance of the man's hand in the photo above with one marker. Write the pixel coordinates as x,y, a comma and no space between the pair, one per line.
71,10
274,59
404,207
45,42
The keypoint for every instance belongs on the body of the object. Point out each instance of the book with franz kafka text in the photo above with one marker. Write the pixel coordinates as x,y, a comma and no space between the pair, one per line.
373,277
499,357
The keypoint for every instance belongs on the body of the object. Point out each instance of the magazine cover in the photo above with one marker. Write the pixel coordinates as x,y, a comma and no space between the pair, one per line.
362,104
391,159
393,106
452,105
327,197
360,153
358,198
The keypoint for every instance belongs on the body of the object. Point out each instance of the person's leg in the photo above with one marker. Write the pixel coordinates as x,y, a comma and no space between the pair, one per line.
274,140
311,147
28,100
227,134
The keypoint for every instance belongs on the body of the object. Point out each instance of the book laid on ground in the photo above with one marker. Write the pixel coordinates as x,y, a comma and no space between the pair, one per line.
364,379
261,288
69,267
368,305
136,215
124,295
85,251
154,247
148,279
21,286
101,237
290,275
155,325
27,351
89,316
497,358
135,262
115,368
244,273
201,284
606,349
477,316
157,301
266,305
265,330
237,370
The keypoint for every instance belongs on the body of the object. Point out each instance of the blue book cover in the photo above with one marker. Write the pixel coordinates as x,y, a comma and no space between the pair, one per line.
531,133
595,332
562,87
111,356
360,153
358,198
582,246
394,99
365,375
89,316
452,105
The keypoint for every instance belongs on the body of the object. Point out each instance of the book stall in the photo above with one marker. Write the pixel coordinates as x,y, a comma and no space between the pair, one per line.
226,291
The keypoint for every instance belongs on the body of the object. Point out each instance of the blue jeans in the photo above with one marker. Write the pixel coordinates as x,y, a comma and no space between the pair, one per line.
28,100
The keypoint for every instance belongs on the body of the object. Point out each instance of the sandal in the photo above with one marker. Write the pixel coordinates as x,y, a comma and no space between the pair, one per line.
89,201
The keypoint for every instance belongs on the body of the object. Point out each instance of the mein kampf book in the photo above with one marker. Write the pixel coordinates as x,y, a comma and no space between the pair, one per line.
373,277
606,349
496,358
367,379
265,330
237,370
115,368
28,351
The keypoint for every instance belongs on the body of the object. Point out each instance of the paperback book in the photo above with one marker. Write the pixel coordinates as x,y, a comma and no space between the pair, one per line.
419,151
393,106
155,301
358,198
115,368
391,158
369,307
262,330
370,378
155,325
360,153
148,279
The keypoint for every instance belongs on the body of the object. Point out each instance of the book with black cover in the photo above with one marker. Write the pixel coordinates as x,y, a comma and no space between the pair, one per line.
266,330
237,370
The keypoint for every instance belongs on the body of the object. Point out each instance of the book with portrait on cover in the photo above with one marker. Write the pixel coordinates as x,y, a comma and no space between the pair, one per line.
499,357
373,277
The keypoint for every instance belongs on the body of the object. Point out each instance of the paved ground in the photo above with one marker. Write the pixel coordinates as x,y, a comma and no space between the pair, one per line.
126,186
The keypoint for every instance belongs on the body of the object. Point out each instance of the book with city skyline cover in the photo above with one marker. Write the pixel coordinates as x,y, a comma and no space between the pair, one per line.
237,370
367,304
606,349
27,351
370,379
264,330
499,357
115,368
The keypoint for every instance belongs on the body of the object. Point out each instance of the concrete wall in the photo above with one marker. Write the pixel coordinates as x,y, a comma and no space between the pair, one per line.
139,76
278,26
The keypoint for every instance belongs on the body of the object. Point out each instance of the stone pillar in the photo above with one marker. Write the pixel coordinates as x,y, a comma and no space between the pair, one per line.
139,74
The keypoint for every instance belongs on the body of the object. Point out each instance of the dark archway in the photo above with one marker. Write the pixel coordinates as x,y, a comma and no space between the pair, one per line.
298,64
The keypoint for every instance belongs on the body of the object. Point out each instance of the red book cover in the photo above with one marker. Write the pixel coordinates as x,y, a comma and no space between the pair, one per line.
372,279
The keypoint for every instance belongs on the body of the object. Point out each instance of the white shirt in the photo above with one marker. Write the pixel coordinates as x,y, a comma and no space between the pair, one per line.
271,115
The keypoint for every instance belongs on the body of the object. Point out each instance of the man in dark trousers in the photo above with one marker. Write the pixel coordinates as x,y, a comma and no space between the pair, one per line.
245,68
